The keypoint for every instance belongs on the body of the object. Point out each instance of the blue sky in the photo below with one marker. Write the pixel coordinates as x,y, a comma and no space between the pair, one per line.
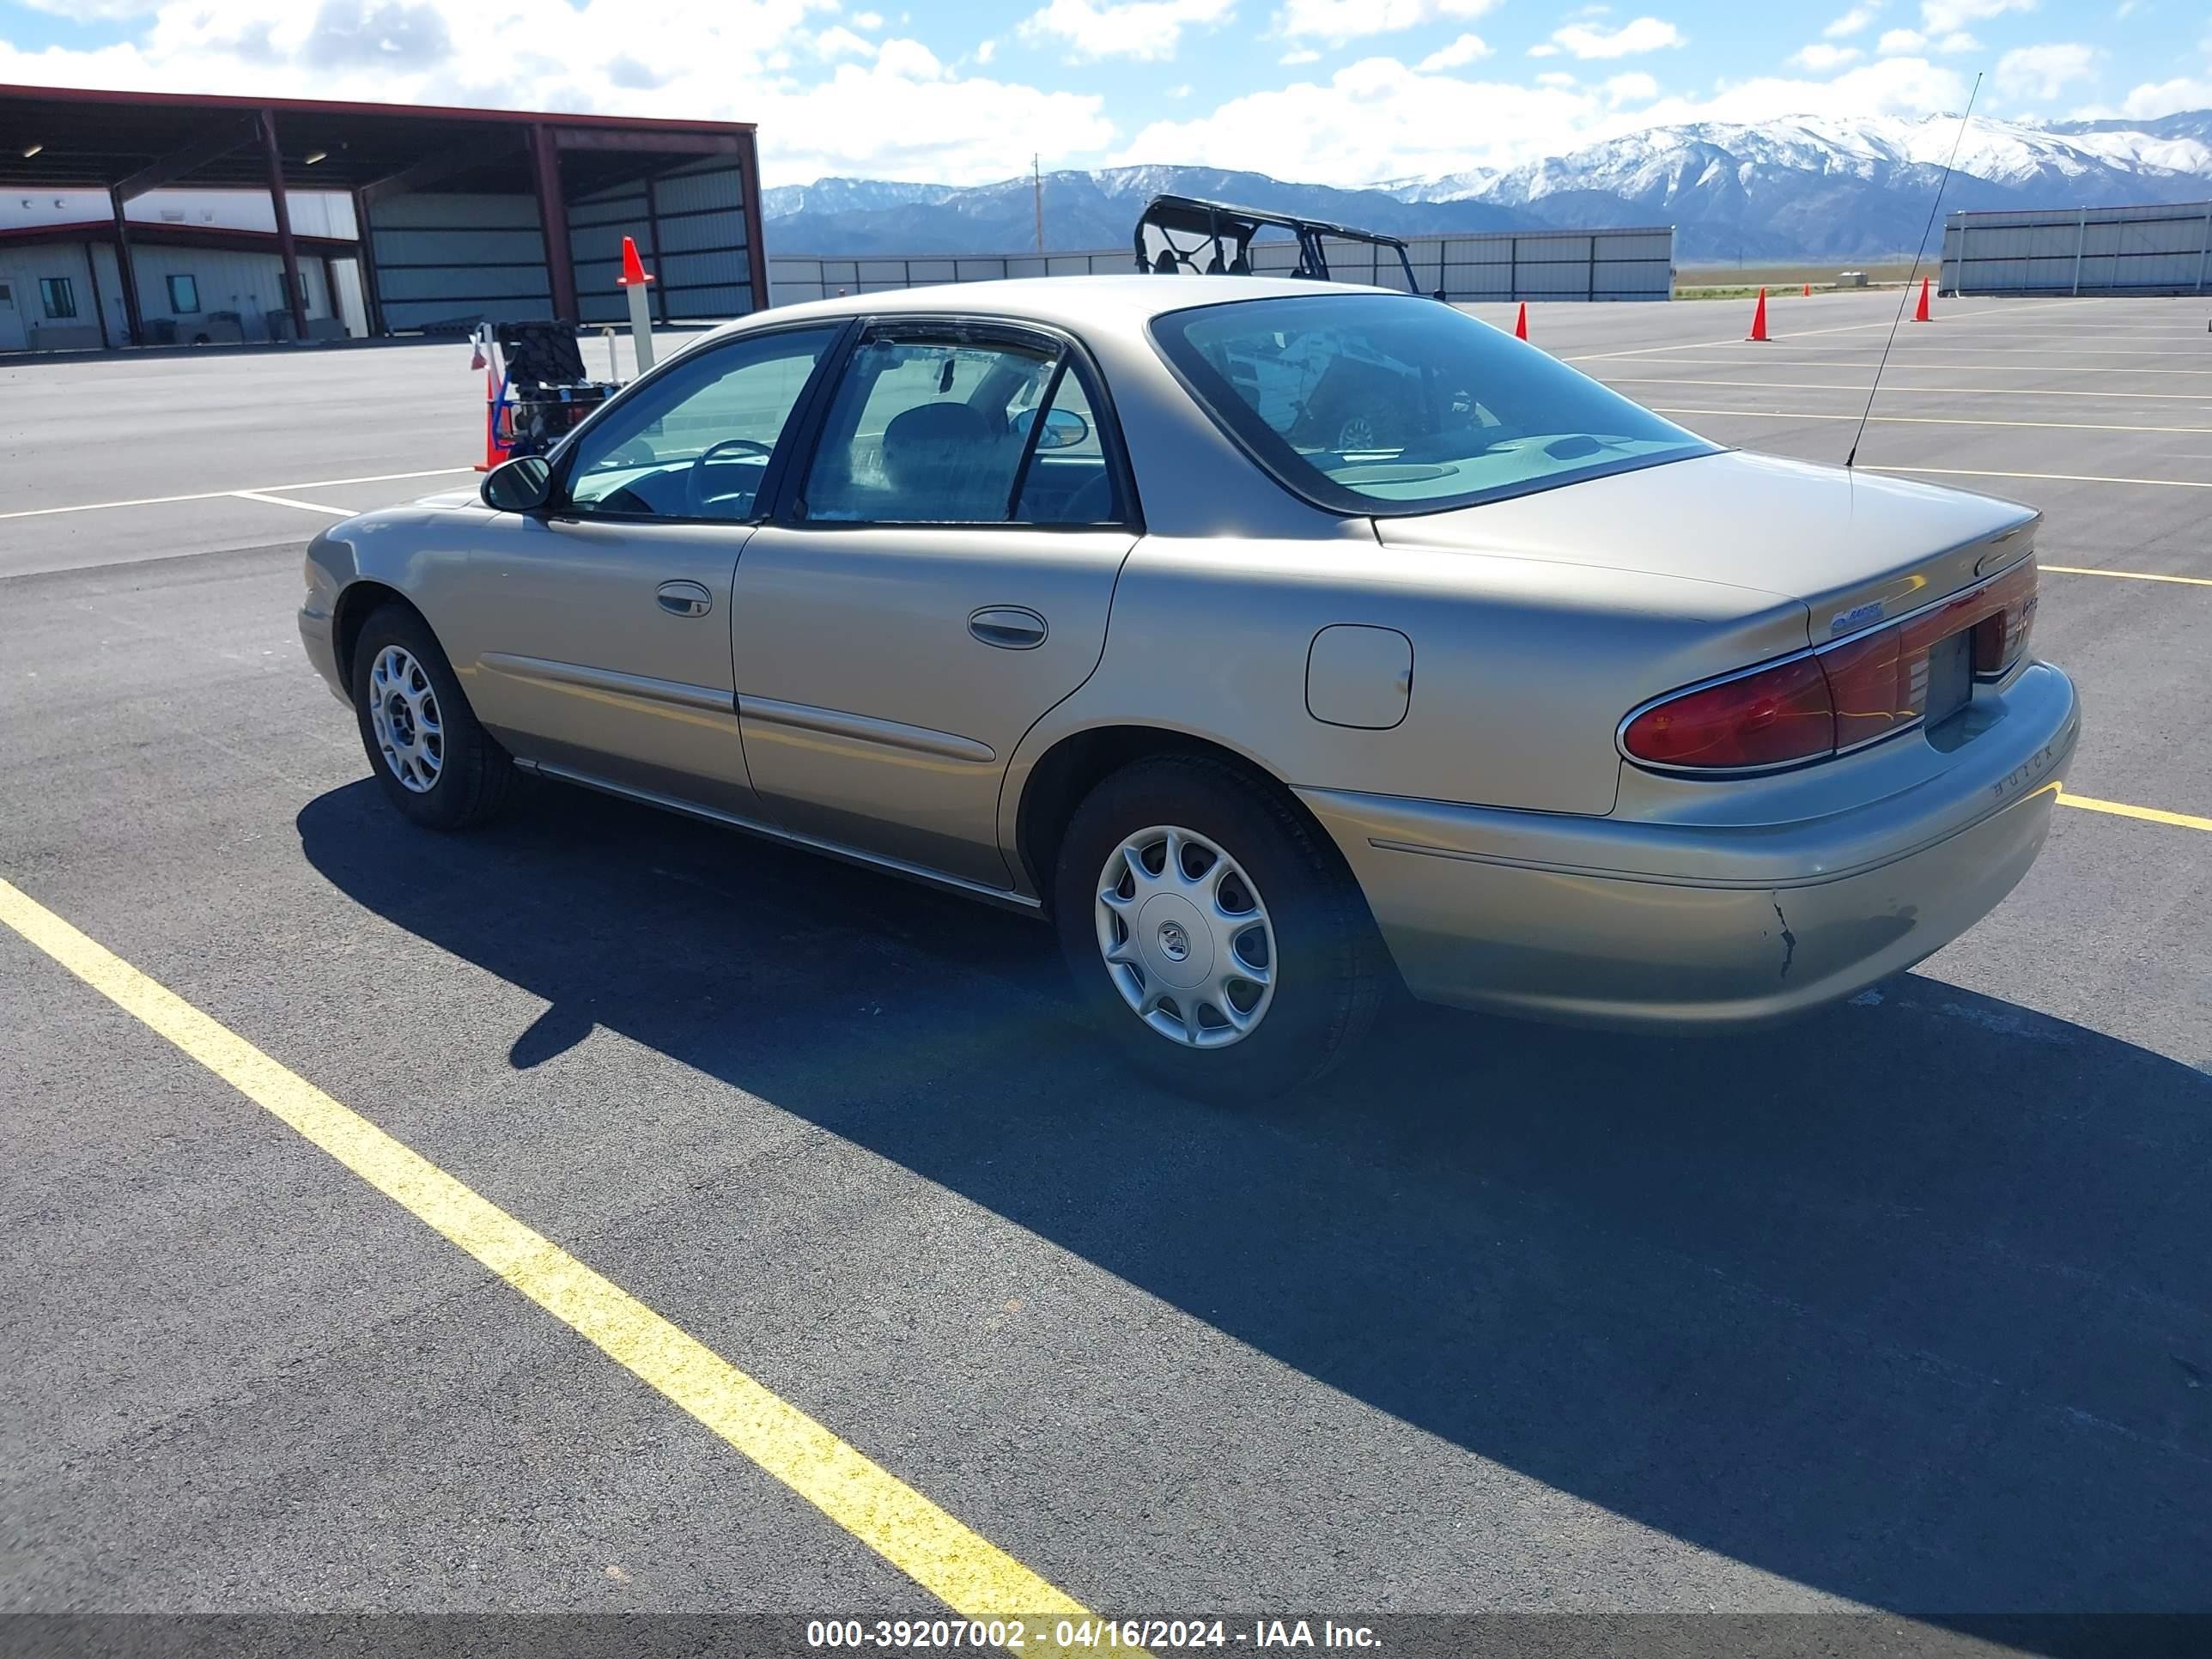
1336,91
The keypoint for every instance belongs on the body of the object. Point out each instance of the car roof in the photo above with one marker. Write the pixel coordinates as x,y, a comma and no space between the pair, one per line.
1071,302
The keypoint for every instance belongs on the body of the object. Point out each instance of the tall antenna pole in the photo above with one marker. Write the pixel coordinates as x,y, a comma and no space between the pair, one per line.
1918,253
1036,180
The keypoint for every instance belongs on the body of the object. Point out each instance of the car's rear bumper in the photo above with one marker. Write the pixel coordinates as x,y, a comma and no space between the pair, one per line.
1637,923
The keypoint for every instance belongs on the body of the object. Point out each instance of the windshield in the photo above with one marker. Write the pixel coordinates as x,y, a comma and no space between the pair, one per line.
1370,403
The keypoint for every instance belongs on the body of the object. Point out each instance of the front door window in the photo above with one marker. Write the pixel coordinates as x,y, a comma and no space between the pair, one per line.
695,443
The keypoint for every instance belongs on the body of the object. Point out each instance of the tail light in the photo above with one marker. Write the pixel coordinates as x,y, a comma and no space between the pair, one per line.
1842,696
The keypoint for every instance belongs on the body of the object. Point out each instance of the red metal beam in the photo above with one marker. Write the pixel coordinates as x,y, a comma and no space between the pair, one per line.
133,323
371,301
398,112
183,162
553,221
99,305
431,170
756,248
286,249
656,143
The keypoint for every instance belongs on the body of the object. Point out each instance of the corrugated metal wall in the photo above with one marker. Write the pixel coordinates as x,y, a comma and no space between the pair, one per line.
2164,249
1600,264
690,226
445,258
21,267
250,284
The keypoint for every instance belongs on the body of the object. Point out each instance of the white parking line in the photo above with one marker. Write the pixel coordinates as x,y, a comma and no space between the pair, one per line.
1898,365
1924,391
2058,477
1928,420
218,494
1803,334
286,500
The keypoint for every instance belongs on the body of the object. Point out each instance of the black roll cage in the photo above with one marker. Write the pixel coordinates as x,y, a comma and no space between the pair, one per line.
1228,230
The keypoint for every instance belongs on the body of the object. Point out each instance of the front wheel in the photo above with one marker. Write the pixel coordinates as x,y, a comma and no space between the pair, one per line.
1212,932
439,767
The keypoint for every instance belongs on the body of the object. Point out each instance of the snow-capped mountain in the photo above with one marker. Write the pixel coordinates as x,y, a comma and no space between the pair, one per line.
1804,187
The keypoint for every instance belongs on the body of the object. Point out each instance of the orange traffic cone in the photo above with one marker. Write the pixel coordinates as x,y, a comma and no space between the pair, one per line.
633,267
1921,315
1521,323
1808,290
1758,320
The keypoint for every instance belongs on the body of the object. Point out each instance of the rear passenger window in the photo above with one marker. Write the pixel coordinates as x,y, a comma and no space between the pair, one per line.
922,432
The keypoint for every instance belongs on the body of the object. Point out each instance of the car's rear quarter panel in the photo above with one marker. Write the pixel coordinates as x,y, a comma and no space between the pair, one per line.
1521,669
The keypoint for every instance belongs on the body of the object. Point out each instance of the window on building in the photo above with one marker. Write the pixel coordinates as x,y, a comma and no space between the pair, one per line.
59,296
184,295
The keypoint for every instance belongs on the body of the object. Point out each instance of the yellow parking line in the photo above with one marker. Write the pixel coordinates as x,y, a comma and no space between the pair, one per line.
2125,575
2121,809
960,1567
1925,420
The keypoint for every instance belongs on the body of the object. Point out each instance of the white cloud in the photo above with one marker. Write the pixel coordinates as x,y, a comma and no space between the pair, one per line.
902,114
1851,22
987,51
1461,52
1941,17
2044,71
1584,40
1381,119
1555,78
870,20
1300,55
1633,87
841,42
1146,30
2155,98
1339,20
1820,56
1897,40
1958,40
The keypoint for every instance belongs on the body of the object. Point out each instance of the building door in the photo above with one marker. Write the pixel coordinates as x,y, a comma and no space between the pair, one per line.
12,337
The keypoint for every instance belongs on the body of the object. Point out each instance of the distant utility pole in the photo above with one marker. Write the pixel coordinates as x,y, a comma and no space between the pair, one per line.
1037,183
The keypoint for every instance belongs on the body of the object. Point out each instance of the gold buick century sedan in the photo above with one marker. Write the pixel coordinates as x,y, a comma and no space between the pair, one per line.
1279,643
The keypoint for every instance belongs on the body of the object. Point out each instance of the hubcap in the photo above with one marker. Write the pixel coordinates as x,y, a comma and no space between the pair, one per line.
1185,938
402,712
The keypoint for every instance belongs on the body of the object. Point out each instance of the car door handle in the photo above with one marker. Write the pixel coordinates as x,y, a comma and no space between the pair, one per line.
1009,627
684,599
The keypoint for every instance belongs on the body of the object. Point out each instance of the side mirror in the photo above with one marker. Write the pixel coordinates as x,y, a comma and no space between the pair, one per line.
522,485
1063,429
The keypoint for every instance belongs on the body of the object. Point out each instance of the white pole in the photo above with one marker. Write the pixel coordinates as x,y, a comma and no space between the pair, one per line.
641,326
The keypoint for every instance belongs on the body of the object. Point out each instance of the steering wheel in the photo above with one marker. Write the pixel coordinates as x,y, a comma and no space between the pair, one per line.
694,481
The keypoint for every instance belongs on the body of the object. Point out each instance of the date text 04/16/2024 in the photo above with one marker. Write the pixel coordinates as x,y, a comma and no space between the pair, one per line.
1125,1635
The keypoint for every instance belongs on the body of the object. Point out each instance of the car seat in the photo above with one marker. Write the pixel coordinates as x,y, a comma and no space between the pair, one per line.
944,464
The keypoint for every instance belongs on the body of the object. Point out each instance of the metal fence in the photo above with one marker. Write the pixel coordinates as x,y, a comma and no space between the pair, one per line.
1511,265
2162,249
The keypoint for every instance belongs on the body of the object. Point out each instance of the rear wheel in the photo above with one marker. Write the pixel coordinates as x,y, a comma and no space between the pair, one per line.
435,763
1212,932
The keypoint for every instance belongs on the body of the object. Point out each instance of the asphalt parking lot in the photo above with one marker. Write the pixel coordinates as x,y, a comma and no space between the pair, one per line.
1906,1306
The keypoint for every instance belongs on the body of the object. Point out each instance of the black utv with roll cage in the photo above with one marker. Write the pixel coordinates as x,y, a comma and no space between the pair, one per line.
1354,404
1179,235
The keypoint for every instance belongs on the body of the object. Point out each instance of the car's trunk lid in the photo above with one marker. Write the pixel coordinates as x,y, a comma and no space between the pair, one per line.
1857,548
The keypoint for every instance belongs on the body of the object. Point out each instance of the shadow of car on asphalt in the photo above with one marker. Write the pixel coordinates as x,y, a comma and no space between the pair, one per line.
1905,1301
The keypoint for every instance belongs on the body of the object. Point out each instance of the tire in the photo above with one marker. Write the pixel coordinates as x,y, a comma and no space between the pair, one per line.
444,771
1327,968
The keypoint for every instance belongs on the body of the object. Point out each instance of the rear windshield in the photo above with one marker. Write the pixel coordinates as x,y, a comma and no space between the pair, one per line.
1371,404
